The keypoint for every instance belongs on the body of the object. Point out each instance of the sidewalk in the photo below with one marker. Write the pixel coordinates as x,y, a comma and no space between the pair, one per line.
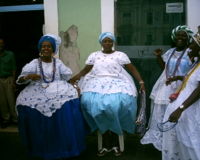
12,149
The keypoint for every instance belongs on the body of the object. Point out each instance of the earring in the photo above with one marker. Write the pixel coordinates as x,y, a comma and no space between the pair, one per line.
40,54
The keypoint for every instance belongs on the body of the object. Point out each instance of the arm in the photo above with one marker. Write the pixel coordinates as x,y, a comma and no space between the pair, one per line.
160,61
175,78
136,74
83,72
194,96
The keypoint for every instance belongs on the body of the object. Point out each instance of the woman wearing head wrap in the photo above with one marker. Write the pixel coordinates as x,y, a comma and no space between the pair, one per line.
183,141
50,121
109,95
176,63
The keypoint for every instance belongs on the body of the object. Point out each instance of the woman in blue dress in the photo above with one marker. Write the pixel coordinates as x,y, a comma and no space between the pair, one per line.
50,121
109,95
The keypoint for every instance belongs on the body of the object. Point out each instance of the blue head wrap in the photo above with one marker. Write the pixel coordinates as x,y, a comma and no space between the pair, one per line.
49,39
106,35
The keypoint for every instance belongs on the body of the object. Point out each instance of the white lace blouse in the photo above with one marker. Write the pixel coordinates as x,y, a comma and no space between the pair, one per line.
108,74
46,97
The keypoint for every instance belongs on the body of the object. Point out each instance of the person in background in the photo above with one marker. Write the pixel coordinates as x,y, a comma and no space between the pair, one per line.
7,86
51,124
175,62
109,95
183,140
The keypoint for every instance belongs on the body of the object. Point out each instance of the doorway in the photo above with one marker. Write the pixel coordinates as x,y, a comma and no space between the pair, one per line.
21,31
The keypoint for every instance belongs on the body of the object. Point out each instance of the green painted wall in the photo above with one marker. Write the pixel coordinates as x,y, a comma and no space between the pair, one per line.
86,15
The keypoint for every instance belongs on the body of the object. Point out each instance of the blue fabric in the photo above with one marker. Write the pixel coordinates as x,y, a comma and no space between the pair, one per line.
115,112
106,35
59,136
49,39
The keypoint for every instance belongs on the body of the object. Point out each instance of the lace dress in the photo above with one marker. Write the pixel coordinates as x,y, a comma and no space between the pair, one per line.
183,141
50,121
109,94
161,92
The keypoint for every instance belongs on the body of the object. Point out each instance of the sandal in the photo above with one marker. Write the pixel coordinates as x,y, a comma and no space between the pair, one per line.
117,152
102,152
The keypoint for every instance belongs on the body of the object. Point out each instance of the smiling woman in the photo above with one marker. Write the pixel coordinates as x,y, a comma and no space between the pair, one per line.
182,141
50,121
175,63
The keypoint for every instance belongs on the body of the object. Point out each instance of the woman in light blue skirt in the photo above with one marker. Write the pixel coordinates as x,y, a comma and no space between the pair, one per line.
108,94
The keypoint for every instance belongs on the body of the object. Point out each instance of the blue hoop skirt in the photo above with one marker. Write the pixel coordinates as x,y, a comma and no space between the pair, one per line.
115,112
60,136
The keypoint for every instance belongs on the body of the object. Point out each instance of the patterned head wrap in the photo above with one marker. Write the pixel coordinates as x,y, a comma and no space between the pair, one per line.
184,28
196,38
53,39
106,35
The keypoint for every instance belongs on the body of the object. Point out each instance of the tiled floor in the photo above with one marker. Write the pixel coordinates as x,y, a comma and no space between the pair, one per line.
12,149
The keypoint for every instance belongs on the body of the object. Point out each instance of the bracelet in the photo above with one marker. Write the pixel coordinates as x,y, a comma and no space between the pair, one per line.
141,82
75,86
181,107
25,78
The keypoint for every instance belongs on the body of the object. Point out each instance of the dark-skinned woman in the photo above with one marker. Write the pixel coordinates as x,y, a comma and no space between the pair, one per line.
50,121
183,141
175,62
109,95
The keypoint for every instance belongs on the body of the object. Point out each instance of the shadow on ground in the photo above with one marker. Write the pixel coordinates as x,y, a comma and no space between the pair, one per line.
12,149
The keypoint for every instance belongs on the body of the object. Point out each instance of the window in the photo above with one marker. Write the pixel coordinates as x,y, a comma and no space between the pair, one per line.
144,25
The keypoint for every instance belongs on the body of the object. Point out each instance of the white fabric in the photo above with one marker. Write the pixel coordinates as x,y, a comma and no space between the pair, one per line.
47,98
160,92
187,130
160,96
108,75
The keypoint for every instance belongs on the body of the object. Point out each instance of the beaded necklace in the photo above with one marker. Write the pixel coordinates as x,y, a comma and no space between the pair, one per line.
46,82
177,63
42,72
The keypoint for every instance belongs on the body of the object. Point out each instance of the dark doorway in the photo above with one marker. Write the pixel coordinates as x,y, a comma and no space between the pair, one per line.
22,31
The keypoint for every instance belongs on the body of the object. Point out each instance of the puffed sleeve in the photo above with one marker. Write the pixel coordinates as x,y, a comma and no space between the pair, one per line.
91,59
30,68
167,54
123,58
65,71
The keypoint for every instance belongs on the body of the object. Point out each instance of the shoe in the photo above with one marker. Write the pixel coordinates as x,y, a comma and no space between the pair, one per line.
116,151
102,152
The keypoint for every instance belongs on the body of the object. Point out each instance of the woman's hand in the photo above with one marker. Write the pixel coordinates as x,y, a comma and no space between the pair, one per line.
174,117
142,86
158,52
33,77
175,78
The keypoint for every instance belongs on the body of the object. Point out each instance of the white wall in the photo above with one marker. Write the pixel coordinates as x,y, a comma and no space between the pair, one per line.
107,16
51,16
193,13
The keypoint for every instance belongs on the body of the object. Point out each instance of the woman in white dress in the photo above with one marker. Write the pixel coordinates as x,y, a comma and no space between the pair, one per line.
182,142
109,94
50,121
175,63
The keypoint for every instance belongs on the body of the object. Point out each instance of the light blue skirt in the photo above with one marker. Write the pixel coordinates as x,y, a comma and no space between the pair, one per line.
115,112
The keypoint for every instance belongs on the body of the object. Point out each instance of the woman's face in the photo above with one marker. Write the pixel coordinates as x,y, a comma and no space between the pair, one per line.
194,50
107,44
46,49
181,39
